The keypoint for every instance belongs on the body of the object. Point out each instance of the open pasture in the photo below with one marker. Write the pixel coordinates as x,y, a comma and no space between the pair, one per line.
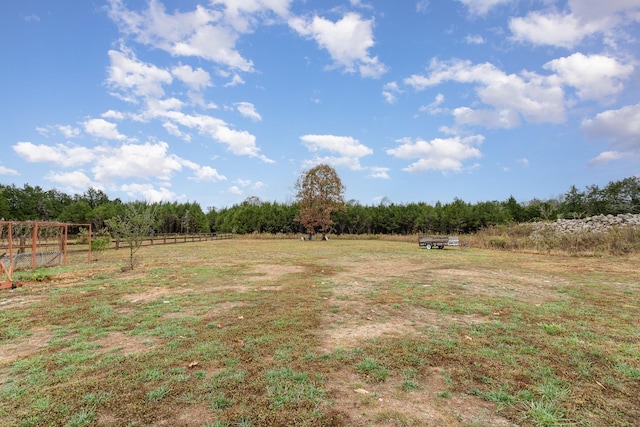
339,333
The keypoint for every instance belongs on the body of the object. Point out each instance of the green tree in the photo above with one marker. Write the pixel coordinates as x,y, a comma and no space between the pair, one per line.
574,203
94,197
78,212
4,205
319,193
133,226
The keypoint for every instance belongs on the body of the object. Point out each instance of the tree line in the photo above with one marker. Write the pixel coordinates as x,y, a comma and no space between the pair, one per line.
256,216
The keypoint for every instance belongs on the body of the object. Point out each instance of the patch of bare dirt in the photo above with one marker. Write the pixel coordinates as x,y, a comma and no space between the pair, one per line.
386,404
13,298
355,322
536,287
124,343
273,271
152,294
533,288
25,346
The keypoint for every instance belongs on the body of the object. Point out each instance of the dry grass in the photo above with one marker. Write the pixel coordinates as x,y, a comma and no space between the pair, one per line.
284,332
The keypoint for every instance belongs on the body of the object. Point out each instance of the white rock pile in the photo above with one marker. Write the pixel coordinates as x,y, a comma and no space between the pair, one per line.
594,224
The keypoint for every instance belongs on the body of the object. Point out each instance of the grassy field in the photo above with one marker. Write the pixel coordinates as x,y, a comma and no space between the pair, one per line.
338,333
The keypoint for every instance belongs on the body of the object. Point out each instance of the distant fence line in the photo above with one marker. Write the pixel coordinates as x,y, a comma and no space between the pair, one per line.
175,238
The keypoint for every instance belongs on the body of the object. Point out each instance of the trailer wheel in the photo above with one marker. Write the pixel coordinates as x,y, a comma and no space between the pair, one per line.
428,245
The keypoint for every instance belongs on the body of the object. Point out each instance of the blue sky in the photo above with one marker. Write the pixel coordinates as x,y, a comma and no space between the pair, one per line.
410,100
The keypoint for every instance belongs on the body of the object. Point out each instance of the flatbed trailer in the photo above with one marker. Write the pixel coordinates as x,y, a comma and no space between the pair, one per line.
430,242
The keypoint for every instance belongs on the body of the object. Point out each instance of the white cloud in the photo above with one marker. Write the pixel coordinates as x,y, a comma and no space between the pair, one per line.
379,172
101,128
67,131
390,92
505,118
607,156
434,107
111,164
234,189
585,18
482,7
112,114
243,14
528,95
208,174
474,39
438,154
555,29
74,180
594,76
241,143
173,129
596,9
202,33
133,79
247,109
235,81
196,80
621,127
148,192
7,171
350,150
146,160
347,41
64,155
247,183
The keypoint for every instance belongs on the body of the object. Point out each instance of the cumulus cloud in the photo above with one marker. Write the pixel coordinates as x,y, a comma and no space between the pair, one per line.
440,154
7,171
243,15
131,79
103,129
234,189
148,160
594,76
208,174
109,164
63,155
247,109
597,9
347,41
76,180
148,192
112,114
533,97
349,149
202,33
620,127
378,172
196,79
555,29
585,18
241,143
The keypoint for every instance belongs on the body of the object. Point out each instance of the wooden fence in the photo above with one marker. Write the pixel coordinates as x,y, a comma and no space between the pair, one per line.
175,238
